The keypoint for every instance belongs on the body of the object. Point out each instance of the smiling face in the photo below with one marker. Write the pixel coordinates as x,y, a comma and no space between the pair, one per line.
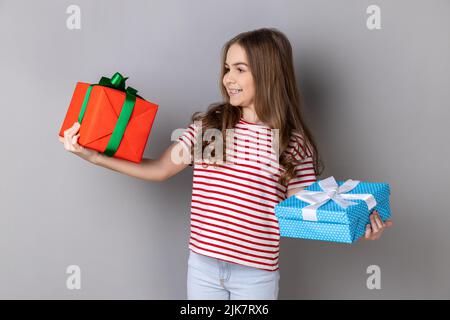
238,79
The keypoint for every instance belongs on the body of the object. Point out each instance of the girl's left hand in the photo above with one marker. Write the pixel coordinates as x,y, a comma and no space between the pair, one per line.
376,227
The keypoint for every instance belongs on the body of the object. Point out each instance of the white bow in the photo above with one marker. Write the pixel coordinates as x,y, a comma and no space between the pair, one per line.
331,191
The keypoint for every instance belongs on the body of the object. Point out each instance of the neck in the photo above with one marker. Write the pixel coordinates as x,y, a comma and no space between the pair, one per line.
249,115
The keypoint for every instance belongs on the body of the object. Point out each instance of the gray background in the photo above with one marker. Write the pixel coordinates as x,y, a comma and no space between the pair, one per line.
377,102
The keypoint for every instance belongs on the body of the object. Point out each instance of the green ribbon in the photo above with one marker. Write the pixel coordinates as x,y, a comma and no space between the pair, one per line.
117,82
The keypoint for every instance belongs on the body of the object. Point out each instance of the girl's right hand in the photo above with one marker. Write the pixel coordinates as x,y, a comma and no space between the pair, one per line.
70,141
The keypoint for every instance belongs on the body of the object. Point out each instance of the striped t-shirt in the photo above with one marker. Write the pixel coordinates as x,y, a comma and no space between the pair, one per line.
232,206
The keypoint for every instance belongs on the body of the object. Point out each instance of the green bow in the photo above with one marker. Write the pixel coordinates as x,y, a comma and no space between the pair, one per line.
117,82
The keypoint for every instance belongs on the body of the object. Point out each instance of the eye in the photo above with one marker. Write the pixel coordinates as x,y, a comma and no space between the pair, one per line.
241,70
226,69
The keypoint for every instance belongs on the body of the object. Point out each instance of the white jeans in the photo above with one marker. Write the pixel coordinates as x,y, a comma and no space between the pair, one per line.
214,279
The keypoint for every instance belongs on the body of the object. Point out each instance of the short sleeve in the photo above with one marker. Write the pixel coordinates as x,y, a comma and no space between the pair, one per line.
305,174
187,139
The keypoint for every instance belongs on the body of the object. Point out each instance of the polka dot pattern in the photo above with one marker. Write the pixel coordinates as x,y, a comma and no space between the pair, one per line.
334,223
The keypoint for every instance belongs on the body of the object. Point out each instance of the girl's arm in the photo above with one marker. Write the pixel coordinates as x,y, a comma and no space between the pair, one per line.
166,166
149,169
294,191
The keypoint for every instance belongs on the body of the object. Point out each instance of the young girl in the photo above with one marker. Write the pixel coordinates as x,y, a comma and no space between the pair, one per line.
234,240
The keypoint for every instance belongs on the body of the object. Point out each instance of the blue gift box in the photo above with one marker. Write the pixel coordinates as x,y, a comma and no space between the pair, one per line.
333,222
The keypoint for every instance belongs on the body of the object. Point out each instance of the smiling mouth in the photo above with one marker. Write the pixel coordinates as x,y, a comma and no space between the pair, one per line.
232,92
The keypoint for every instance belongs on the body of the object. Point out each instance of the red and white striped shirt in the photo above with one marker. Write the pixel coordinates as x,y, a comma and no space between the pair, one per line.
232,207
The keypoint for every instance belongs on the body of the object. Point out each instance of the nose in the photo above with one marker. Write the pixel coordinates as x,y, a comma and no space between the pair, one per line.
228,79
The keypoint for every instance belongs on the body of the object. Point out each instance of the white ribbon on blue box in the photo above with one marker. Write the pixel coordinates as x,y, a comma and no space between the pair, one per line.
331,210
332,191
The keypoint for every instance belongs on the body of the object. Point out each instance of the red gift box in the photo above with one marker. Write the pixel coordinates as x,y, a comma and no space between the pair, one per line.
100,127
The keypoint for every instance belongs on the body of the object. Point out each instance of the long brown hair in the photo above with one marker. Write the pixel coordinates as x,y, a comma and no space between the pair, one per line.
277,99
